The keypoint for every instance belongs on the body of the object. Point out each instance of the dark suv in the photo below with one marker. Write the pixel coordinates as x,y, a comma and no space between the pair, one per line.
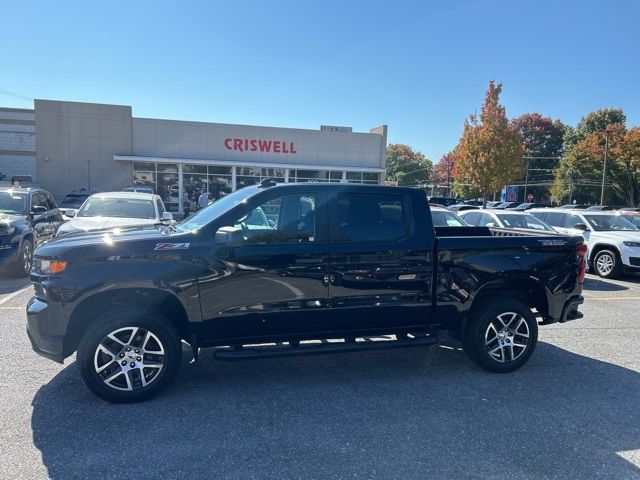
28,217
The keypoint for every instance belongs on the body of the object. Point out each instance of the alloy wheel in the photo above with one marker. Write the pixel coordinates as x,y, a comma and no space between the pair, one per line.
27,257
605,264
506,337
129,358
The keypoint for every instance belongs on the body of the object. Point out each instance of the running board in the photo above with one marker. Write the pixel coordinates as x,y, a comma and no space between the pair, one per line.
279,350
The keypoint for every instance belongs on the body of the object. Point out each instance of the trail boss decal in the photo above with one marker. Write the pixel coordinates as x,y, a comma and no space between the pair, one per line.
553,243
172,246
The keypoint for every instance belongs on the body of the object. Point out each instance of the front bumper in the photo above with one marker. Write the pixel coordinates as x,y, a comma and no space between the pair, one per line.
51,347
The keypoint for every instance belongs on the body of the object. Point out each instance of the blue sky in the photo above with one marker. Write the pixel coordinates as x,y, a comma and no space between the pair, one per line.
420,67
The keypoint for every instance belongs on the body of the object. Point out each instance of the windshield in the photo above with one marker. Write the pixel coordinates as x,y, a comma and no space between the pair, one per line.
523,221
209,214
117,207
609,223
11,202
635,219
446,219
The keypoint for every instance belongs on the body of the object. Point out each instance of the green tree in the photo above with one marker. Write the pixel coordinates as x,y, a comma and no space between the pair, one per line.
489,154
579,172
406,166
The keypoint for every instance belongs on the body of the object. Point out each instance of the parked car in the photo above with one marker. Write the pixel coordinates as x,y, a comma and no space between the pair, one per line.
602,208
75,199
361,262
28,217
443,217
574,206
445,201
117,209
462,208
528,206
505,219
492,204
505,205
631,215
613,241
139,189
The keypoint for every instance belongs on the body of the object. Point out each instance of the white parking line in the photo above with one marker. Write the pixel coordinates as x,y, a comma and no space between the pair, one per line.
8,297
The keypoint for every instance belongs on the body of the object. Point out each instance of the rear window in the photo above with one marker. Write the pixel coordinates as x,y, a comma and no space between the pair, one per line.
370,218
446,219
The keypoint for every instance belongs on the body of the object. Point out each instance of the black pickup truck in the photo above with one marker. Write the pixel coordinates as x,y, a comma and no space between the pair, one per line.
295,269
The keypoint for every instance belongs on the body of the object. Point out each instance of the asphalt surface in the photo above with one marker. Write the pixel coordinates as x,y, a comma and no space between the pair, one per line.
572,412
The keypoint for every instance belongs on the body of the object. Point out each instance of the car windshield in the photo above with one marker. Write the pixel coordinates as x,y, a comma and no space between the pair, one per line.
446,219
635,219
523,221
609,223
11,202
100,206
209,214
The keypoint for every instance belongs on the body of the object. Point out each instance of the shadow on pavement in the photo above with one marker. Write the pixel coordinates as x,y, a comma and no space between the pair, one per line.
12,284
413,413
600,285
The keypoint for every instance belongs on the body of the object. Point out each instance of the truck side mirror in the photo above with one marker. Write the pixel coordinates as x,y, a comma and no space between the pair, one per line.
166,217
70,212
38,210
581,226
228,236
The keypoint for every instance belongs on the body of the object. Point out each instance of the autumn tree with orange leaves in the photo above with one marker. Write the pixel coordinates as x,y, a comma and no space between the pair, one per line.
490,152
444,171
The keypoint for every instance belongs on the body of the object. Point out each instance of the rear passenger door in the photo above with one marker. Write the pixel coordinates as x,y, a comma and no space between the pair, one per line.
380,269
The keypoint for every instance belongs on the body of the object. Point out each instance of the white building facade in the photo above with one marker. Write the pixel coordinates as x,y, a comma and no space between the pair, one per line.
103,147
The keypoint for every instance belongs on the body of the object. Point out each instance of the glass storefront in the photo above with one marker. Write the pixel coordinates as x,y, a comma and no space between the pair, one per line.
218,180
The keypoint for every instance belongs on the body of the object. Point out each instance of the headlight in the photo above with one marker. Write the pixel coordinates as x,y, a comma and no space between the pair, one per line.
632,244
6,229
49,267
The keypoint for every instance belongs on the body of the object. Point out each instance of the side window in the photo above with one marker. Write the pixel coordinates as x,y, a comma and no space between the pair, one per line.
285,219
486,219
51,201
472,218
555,219
39,200
363,217
540,216
571,219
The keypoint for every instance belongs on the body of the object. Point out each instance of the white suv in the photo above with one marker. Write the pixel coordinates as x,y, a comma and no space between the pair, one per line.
613,241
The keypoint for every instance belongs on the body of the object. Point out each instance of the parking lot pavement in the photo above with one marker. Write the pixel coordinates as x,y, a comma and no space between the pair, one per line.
571,412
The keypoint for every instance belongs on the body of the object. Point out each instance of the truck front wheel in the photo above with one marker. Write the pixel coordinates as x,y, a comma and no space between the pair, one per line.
501,336
128,356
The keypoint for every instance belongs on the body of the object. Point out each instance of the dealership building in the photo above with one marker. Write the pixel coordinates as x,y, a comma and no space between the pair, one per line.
66,146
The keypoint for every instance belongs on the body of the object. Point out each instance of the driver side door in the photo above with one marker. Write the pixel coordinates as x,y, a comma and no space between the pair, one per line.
269,280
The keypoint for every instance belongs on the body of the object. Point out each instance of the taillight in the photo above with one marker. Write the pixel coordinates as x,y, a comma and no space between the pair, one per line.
582,259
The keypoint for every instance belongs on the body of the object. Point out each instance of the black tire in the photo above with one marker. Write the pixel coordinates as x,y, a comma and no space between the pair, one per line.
159,369
22,267
607,264
511,355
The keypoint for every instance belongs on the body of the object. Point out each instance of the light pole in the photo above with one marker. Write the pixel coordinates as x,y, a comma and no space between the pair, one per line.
604,165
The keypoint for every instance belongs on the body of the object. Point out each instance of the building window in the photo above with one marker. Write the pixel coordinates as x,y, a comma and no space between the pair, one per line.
363,177
168,186
246,176
315,176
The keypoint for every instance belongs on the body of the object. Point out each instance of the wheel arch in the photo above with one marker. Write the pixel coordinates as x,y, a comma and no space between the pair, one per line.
598,247
146,299
527,290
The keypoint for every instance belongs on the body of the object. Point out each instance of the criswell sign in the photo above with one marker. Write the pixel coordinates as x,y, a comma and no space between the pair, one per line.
255,145
172,246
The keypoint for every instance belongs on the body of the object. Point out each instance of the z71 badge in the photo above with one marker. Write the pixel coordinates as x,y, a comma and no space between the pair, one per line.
172,246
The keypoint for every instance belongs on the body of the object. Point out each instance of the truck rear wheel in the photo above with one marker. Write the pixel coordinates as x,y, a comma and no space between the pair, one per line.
502,336
128,356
